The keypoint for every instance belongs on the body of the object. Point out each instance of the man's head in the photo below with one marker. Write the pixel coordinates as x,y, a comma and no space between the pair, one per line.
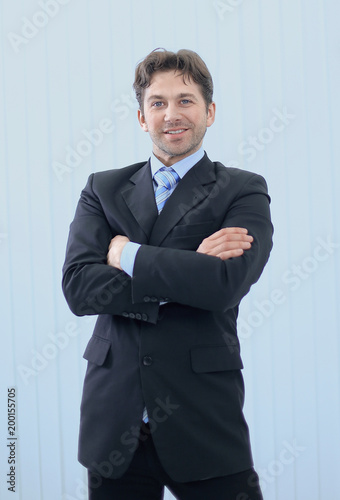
185,62
174,92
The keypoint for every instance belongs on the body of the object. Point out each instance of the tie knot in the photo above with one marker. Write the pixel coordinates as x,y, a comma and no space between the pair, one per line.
166,177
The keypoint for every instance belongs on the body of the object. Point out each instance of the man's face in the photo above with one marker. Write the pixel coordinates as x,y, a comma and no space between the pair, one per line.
175,115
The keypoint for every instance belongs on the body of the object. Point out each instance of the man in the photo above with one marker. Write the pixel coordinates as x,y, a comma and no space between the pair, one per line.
163,251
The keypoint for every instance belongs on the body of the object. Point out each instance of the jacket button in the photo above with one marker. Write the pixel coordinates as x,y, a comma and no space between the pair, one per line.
144,317
125,314
132,315
154,299
146,298
147,361
138,316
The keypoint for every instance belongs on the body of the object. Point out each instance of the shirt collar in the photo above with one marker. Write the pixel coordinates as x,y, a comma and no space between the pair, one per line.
181,167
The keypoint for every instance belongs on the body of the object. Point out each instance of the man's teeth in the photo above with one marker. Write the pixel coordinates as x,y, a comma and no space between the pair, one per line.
176,131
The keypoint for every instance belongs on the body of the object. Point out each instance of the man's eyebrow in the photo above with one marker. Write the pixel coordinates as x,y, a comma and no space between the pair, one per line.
180,96
187,94
153,97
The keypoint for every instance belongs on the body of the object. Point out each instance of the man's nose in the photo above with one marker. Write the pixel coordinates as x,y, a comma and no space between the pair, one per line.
172,113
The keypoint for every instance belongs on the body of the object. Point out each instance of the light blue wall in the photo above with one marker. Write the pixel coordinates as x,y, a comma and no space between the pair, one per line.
269,58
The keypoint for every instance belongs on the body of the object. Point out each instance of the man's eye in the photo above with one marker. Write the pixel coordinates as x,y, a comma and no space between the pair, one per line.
157,104
185,101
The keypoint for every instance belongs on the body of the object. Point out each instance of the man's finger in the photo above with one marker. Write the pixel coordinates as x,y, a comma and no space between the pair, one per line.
230,254
225,243
216,250
228,230
230,238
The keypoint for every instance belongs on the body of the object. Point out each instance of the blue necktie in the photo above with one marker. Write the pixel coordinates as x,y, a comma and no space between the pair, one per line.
145,416
166,179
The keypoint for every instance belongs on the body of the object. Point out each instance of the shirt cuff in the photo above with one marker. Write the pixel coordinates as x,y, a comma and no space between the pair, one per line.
128,256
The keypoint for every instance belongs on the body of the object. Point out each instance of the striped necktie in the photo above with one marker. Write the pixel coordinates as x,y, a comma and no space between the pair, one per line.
145,416
166,179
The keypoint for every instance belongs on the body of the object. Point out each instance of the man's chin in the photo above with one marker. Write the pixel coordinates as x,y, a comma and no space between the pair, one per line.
179,151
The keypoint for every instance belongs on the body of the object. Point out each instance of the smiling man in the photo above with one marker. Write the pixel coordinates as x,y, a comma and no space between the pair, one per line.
163,251
175,115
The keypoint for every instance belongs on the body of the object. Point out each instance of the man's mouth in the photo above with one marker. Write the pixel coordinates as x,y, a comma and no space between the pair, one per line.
175,132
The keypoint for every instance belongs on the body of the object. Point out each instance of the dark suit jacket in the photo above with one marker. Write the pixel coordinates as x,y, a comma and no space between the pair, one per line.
181,359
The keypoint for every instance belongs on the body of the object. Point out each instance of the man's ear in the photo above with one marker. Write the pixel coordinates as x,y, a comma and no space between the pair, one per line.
142,121
211,114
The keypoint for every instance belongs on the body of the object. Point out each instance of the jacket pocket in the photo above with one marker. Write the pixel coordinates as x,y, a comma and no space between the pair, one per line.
216,358
97,350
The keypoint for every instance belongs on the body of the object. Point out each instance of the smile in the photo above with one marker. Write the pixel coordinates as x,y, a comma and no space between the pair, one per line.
174,132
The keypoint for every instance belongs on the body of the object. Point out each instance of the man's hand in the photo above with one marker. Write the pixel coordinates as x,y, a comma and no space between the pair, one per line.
115,250
226,243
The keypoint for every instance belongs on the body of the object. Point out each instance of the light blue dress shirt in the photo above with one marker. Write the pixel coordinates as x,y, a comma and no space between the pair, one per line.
127,259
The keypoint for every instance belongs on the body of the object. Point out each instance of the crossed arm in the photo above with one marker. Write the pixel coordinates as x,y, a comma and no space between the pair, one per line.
226,243
214,284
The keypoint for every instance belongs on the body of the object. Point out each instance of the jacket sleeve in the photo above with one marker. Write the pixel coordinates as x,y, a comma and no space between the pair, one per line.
204,281
90,285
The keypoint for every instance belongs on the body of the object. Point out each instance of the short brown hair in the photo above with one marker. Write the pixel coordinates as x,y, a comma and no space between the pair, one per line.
187,62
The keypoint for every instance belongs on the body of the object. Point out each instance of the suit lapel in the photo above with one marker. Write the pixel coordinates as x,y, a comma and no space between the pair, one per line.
140,198
195,186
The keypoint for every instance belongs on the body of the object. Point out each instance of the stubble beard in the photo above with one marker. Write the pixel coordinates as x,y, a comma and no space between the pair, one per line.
173,151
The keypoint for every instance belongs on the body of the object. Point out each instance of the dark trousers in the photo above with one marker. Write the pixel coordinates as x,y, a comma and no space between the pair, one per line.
145,480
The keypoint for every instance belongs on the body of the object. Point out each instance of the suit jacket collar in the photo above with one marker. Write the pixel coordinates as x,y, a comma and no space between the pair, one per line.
139,196
191,190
